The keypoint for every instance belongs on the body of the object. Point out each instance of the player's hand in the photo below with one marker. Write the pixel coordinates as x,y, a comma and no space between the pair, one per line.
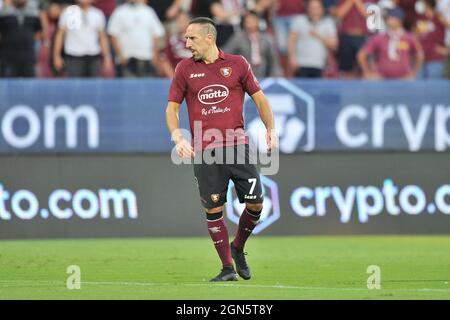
184,149
272,140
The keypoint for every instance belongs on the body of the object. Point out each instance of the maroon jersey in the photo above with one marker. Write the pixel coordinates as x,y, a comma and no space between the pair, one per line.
214,96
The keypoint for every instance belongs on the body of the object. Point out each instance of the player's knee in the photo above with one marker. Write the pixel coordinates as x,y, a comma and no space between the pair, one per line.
214,210
255,207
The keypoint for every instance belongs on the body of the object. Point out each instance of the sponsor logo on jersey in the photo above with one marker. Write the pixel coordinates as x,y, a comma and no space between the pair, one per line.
197,75
214,110
213,94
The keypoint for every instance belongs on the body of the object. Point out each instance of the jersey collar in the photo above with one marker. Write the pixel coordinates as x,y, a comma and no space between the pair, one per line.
221,57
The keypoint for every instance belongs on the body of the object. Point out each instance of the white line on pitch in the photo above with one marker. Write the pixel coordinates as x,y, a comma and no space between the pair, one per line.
12,283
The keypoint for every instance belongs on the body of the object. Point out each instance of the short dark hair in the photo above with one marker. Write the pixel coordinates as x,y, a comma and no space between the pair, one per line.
207,22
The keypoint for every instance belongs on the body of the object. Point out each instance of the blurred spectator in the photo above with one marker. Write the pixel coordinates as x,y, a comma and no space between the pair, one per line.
82,32
176,43
409,10
444,9
264,9
352,33
285,12
45,58
19,25
330,6
311,37
136,33
226,13
430,30
166,10
256,46
392,51
4,3
106,6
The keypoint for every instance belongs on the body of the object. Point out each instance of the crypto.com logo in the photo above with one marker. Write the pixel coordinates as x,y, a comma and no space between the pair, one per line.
271,205
294,113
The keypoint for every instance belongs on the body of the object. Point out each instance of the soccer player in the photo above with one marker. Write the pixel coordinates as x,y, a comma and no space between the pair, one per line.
214,84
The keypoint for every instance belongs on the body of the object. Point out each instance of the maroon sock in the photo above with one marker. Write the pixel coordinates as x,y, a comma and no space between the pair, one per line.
219,235
247,223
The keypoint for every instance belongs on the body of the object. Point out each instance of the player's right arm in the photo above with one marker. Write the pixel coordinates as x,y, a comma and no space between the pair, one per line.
177,94
184,148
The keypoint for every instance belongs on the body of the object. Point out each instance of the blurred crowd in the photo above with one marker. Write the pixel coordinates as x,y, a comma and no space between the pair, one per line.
386,39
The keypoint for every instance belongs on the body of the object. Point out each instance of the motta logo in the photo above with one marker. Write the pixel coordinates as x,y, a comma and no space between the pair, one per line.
213,94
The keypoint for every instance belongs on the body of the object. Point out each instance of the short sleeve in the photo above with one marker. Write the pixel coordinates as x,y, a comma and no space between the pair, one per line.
101,21
62,23
178,87
331,28
249,81
156,25
296,25
114,23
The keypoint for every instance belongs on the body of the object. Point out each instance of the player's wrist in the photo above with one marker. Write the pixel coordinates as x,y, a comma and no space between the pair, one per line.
177,137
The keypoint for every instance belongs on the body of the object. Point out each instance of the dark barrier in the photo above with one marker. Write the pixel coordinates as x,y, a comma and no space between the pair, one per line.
98,116
142,195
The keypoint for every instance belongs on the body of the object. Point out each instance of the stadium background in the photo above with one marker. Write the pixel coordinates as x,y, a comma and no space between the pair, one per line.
63,150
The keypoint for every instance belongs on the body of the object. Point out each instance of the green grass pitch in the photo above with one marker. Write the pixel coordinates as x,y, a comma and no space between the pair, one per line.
412,267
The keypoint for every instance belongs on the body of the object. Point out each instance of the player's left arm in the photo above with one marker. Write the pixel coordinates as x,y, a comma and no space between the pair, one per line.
266,114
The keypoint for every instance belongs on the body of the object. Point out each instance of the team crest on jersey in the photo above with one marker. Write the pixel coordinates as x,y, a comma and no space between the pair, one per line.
226,71
215,197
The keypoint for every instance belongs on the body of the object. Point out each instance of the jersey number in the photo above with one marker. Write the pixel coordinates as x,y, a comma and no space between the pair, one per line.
253,182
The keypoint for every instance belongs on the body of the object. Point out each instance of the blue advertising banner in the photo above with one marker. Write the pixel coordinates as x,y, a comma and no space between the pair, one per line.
103,116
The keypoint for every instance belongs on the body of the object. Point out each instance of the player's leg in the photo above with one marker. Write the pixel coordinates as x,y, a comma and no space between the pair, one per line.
247,222
212,182
219,235
249,190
